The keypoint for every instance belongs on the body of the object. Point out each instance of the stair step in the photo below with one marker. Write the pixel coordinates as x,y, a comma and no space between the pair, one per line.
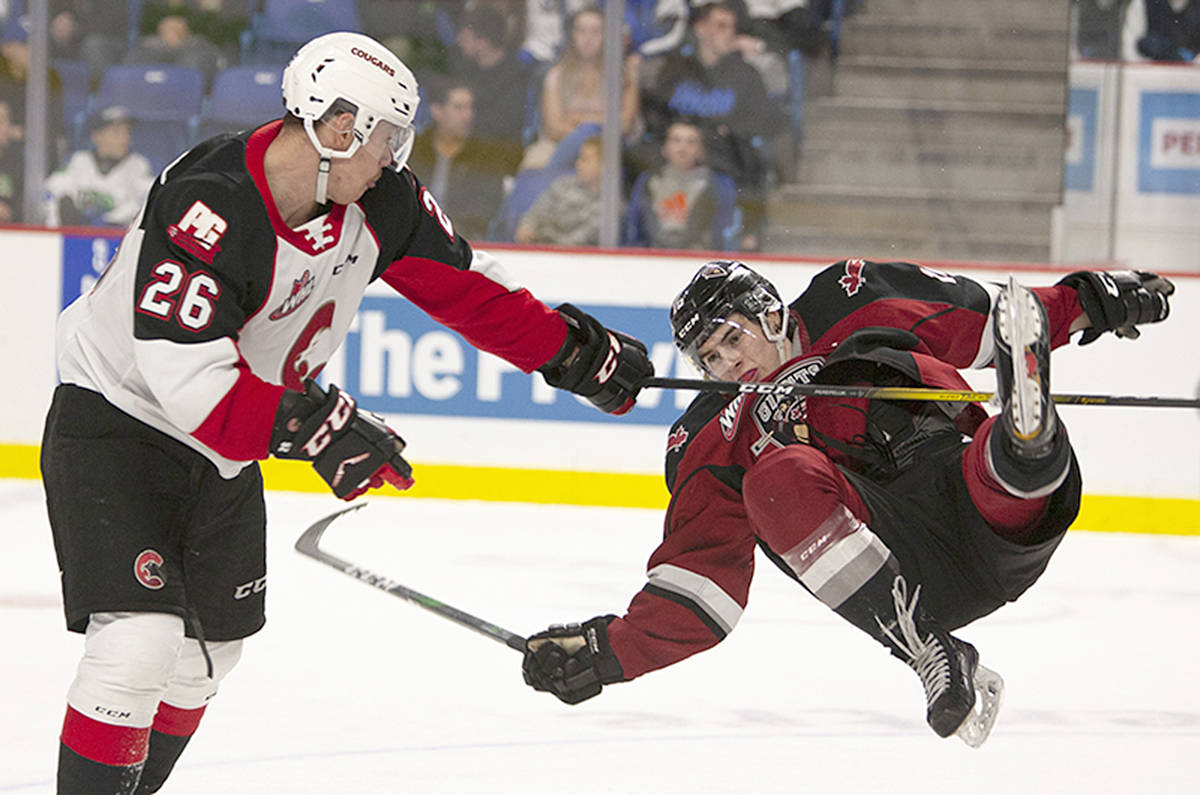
962,167
950,79
907,211
1016,12
934,37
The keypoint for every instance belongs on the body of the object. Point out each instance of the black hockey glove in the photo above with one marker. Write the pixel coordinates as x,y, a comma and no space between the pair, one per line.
606,367
353,450
573,662
1119,301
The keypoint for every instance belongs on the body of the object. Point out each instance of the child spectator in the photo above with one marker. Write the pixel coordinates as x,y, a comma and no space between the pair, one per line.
568,213
12,167
104,185
573,89
674,206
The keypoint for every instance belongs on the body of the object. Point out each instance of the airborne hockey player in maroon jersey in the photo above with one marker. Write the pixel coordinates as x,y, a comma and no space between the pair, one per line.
909,520
194,356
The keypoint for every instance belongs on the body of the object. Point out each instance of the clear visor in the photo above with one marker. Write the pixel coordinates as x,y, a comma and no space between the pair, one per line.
390,142
722,345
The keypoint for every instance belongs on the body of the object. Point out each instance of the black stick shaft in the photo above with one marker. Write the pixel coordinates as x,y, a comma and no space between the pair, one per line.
308,544
904,393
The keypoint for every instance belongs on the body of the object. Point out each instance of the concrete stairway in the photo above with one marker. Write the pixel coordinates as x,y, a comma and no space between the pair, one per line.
940,137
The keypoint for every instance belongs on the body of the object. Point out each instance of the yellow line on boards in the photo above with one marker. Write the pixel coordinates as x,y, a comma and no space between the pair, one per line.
1099,512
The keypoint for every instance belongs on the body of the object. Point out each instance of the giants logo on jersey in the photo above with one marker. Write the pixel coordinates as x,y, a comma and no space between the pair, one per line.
780,419
148,569
198,232
302,360
301,289
852,280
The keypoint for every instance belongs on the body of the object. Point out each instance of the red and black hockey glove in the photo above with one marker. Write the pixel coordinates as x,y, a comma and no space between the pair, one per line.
1119,301
573,662
606,367
353,450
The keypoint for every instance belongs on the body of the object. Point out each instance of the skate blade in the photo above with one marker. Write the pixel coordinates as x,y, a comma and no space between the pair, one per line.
1020,326
989,692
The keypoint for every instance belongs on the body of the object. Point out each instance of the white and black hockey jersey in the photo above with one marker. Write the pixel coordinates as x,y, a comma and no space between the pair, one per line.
212,306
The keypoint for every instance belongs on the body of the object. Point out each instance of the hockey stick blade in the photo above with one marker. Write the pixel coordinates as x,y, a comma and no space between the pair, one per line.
903,393
308,544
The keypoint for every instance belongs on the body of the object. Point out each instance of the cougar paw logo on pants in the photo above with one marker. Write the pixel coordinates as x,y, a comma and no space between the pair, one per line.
148,568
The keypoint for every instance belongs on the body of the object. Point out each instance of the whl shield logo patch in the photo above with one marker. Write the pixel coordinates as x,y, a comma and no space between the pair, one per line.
301,289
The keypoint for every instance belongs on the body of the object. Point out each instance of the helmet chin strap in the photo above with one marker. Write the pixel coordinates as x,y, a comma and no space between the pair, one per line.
326,160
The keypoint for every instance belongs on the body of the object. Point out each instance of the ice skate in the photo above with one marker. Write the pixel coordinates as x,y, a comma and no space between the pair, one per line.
962,697
1022,337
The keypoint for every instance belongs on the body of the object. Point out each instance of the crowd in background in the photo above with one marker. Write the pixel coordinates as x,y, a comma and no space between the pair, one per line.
512,101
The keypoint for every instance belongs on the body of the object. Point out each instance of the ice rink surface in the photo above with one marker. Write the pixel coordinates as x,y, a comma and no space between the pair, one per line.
349,690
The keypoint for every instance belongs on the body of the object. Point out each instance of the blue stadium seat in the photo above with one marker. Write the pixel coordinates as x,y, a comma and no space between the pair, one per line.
76,88
278,30
241,97
164,101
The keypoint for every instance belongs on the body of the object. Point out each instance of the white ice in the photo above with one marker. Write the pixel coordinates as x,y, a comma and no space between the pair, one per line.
348,689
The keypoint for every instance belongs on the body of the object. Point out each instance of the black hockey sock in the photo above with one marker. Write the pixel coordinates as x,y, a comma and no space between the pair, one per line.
78,775
165,750
872,605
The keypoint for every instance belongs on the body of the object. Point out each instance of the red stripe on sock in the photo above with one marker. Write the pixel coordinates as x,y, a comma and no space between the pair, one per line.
177,721
104,742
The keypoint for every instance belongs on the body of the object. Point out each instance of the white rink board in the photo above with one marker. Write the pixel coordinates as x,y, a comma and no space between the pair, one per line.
1124,451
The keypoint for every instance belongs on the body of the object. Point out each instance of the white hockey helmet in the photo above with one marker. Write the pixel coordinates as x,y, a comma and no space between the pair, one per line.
371,82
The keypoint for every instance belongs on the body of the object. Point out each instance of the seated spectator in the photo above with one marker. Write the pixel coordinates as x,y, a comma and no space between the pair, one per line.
12,168
458,168
103,185
543,40
674,205
499,81
412,29
218,22
727,95
573,89
568,213
174,44
14,73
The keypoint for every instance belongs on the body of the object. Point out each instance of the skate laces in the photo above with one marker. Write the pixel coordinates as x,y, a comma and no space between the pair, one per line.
927,656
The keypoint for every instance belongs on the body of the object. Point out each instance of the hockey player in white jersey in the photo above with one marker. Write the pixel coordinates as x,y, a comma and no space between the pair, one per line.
193,357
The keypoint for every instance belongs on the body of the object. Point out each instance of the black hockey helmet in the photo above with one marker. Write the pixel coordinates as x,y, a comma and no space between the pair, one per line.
720,288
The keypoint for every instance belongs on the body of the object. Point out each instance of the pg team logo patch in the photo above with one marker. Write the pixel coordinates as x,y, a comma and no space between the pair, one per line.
148,569
198,232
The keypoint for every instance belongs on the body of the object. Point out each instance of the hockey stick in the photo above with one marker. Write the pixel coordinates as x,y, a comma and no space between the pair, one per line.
903,393
308,544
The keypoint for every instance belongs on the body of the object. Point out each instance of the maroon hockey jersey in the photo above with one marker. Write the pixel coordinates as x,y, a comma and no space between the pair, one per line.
698,579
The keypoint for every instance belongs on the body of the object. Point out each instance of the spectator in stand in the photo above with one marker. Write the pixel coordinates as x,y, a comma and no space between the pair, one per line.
573,89
218,22
727,95
674,206
1172,30
568,213
14,70
12,167
1097,25
458,168
173,43
412,29
104,185
544,28
499,81
94,31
